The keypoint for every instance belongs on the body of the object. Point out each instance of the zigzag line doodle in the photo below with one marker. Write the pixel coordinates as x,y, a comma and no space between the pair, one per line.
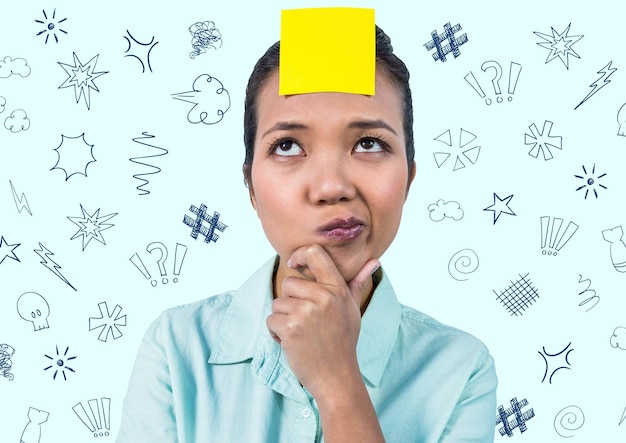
153,169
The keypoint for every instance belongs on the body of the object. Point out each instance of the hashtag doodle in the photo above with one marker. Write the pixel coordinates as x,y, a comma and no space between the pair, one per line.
453,42
198,227
518,296
520,418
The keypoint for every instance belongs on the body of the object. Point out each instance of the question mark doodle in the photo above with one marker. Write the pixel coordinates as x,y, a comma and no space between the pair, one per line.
161,260
496,78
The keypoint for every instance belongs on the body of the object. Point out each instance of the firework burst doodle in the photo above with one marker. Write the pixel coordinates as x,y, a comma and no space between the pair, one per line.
51,26
591,181
91,225
81,77
559,45
59,363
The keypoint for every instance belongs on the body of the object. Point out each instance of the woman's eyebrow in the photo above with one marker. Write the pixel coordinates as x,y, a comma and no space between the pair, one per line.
371,124
285,126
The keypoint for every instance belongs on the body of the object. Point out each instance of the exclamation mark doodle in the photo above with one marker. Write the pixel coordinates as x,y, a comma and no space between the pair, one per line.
179,257
469,78
98,417
158,246
514,72
135,260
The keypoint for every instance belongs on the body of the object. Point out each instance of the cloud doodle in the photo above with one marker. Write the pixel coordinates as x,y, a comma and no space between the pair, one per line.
17,121
441,210
209,99
14,66
618,338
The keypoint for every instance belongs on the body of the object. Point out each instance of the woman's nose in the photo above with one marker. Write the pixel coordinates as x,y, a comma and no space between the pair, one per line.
331,180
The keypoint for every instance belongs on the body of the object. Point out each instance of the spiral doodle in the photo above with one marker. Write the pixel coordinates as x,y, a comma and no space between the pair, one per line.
567,420
462,263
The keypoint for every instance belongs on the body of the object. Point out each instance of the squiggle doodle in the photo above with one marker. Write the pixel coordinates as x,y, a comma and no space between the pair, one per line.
14,66
618,339
99,415
618,247
563,353
588,291
90,226
20,202
13,247
32,430
6,352
50,264
34,308
147,48
209,99
17,121
179,257
462,263
110,322
567,420
442,209
204,35
76,156
81,78
137,160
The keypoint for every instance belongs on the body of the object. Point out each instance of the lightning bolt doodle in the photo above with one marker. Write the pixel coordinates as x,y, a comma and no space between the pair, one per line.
137,160
51,264
605,72
20,202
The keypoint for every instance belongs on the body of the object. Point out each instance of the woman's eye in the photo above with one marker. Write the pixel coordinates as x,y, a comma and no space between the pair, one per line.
287,148
369,145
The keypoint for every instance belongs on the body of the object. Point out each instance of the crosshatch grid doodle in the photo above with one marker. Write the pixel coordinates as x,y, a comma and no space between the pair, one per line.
518,296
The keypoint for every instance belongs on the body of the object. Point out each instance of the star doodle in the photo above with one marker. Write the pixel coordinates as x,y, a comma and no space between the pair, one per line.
11,253
91,225
81,77
500,206
559,45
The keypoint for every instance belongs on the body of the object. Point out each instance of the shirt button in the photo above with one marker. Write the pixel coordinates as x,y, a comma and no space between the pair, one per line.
306,413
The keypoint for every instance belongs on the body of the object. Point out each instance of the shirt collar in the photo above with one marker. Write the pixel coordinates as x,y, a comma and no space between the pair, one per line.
243,334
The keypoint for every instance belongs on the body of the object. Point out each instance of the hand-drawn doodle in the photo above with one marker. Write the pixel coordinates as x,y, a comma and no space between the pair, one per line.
17,121
465,147
76,156
519,420
6,352
33,308
559,45
147,48
32,430
138,160
623,417
60,363
441,210
3,102
542,141
590,181
564,354
109,323
518,296
588,291
617,249
500,206
4,254
605,72
550,238
453,42
14,66
81,78
462,263
568,420
621,120
50,26
50,264
204,35
618,339
91,225
197,226
209,98
20,202
515,69
98,419
179,257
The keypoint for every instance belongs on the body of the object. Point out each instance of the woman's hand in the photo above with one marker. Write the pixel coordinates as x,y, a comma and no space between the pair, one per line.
317,320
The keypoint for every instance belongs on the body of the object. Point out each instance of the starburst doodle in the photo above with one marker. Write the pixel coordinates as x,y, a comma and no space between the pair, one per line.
81,77
91,225
559,45
59,363
51,26
590,181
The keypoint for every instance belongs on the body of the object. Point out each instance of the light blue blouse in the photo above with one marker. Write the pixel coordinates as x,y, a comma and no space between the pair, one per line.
210,372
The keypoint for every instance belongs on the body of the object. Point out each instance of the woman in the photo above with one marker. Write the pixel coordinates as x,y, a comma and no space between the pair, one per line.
315,344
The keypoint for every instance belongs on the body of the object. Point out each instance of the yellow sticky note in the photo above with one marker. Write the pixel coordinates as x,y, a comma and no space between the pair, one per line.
327,50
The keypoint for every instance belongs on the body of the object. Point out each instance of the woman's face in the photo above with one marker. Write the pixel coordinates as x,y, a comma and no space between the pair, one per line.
330,169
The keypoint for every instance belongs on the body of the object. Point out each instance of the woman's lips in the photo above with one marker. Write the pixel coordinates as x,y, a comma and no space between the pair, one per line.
344,229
